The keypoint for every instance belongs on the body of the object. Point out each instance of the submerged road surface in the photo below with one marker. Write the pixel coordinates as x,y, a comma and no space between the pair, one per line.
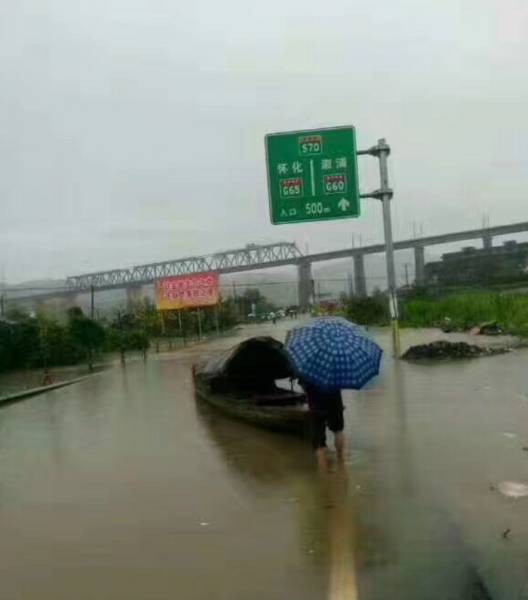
126,487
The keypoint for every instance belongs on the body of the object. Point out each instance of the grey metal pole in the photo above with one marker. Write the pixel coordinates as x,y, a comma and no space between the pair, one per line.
92,302
199,323
217,320
386,195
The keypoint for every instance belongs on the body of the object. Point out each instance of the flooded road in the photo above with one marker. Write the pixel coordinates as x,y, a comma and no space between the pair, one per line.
126,487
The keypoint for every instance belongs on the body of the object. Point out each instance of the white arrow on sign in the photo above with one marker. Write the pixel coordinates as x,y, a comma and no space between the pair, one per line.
343,204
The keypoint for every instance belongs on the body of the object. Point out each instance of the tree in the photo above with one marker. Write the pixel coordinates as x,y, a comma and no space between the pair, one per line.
368,311
88,334
6,345
138,340
251,299
227,314
16,314
252,295
150,319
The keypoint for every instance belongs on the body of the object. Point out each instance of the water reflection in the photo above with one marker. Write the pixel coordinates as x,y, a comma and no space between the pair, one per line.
367,523
118,473
323,503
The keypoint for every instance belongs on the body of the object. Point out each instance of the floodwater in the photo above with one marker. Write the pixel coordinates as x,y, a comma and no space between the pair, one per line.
125,487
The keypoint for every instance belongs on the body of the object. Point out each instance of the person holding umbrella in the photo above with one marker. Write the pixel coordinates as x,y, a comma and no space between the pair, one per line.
330,354
326,409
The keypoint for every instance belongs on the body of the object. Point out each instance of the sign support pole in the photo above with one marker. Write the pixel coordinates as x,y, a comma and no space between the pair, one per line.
382,151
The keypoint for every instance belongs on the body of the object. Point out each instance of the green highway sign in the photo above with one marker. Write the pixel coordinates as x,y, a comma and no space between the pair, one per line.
312,175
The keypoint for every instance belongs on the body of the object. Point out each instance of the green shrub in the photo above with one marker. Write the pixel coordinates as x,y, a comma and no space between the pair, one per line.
368,311
509,311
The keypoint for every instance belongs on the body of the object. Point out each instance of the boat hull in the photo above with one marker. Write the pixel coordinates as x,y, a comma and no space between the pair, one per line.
294,419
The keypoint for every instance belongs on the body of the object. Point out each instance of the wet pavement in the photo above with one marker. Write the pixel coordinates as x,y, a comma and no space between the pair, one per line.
125,487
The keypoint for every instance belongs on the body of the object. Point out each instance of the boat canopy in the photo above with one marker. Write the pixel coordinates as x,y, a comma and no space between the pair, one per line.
253,365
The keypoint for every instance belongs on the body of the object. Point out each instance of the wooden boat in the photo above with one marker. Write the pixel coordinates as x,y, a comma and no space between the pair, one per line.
242,384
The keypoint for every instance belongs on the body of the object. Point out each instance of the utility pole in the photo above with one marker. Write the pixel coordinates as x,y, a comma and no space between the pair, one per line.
92,303
417,230
350,284
217,320
2,292
199,323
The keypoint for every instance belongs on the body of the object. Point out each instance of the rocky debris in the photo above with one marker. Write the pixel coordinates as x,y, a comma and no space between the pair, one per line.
491,328
443,349
447,326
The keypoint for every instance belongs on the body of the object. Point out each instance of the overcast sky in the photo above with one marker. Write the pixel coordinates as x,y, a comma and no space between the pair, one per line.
132,130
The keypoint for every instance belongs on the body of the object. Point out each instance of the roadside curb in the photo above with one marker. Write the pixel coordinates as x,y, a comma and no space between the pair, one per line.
4,400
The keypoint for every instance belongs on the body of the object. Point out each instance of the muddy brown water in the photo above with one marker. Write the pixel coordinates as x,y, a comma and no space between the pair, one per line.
125,487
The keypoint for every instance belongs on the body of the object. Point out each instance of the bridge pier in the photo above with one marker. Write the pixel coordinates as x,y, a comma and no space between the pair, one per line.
360,283
487,241
419,265
304,284
134,296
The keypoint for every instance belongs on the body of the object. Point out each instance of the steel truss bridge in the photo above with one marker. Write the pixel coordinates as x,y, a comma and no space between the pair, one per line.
243,259
254,257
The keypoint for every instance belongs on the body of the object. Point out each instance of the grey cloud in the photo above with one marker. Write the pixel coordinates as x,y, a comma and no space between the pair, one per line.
133,130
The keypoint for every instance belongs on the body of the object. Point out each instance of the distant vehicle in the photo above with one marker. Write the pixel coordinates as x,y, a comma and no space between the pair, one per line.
292,311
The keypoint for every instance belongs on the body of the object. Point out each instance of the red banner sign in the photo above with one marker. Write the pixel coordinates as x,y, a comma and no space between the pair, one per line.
187,291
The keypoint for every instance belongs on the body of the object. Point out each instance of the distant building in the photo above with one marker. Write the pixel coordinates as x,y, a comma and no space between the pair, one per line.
473,266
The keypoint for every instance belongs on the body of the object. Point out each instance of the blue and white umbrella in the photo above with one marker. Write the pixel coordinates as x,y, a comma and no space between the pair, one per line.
333,353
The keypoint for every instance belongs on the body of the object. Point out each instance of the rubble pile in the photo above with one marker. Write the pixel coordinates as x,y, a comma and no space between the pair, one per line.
443,349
